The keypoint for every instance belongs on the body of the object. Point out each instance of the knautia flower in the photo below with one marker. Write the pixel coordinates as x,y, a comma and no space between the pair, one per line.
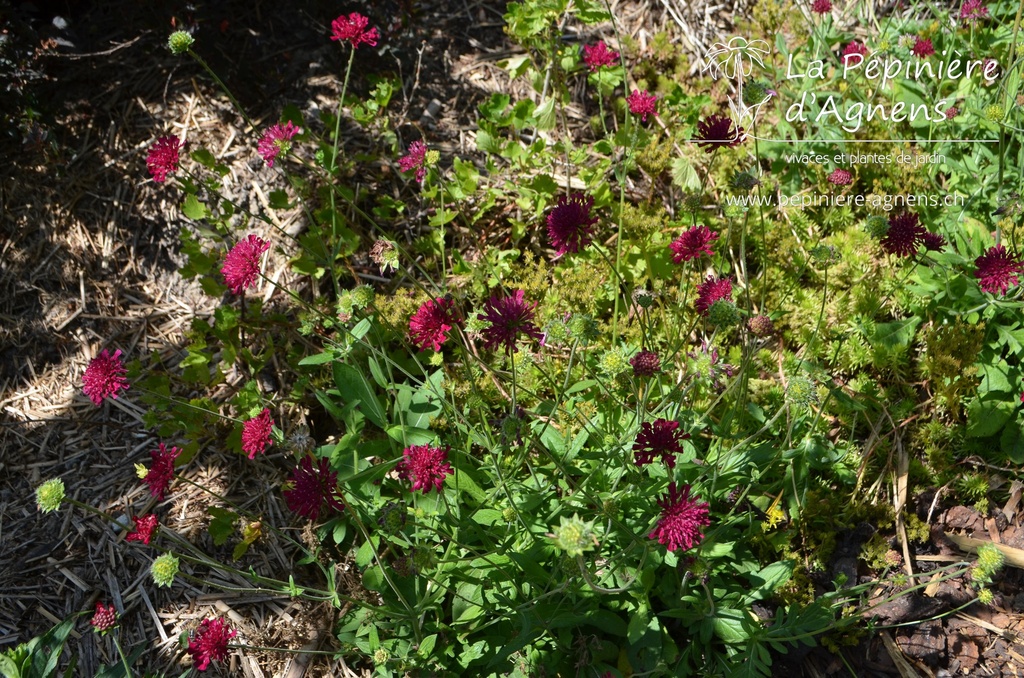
164,569
597,55
761,326
951,112
353,29
922,48
574,536
50,495
570,225
821,6
997,270
854,53
840,177
209,643
660,438
104,377
104,619
415,159
693,243
904,235
256,433
180,42
163,158
972,11
425,466
933,241
241,266
716,131
645,364
429,326
384,253
161,473
313,489
276,139
682,518
144,528
509,316
710,291
642,104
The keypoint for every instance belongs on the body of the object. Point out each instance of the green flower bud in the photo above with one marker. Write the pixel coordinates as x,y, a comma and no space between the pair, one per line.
574,536
801,391
380,656
614,362
362,296
49,495
180,42
724,313
986,597
164,569
876,226
994,112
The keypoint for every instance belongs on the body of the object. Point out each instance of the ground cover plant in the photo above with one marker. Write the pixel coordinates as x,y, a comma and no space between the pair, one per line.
645,382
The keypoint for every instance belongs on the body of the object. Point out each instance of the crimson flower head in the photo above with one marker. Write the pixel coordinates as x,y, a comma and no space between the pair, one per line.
509,316
645,364
570,225
973,10
104,619
209,643
256,433
144,528
855,48
104,377
840,177
663,437
161,473
923,48
904,235
430,325
716,131
353,29
682,518
821,6
693,243
425,466
597,55
415,159
710,291
997,270
313,489
163,158
933,241
242,264
952,112
275,140
642,104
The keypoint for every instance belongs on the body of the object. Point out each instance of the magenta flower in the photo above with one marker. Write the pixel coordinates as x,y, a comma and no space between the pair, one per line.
854,49
430,325
509,316
716,131
598,55
693,243
275,140
415,160
104,377
821,6
710,291
904,236
663,438
642,104
997,270
425,466
209,643
951,112
682,518
104,619
256,433
645,364
313,489
973,10
840,177
163,157
242,264
144,528
570,225
353,29
922,48
161,473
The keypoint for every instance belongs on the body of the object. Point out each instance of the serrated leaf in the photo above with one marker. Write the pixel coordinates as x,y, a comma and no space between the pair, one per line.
193,209
684,175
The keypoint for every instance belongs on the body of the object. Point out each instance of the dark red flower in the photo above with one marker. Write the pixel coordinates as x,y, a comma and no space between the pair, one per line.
761,326
415,159
922,48
973,10
663,438
425,466
693,243
645,364
104,377
313,489
161,473
840,177
642,104
951,112
209,643
430,325
710,291
854,49
256,433
275,140
242,264
509,316
682,518
821,6
997,270
353,29
104,619
716,131
570,225
163,157
904,236
933,241
597,55
144,528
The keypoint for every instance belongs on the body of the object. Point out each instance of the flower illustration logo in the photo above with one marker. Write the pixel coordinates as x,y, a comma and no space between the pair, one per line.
735,60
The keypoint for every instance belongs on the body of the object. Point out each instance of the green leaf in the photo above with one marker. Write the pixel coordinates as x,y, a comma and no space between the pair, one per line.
204,158
467,603
427,646
410,435
223,524
193,209
278,199
995,377
730,626
8,668
487,516
638,623
318,359
684,175
353,385
764,583
986,416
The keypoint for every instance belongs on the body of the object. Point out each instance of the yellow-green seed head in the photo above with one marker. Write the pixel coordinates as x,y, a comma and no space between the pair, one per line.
380,656
574,536
990,559
985,596
49,495
994,112
164,569
180,42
